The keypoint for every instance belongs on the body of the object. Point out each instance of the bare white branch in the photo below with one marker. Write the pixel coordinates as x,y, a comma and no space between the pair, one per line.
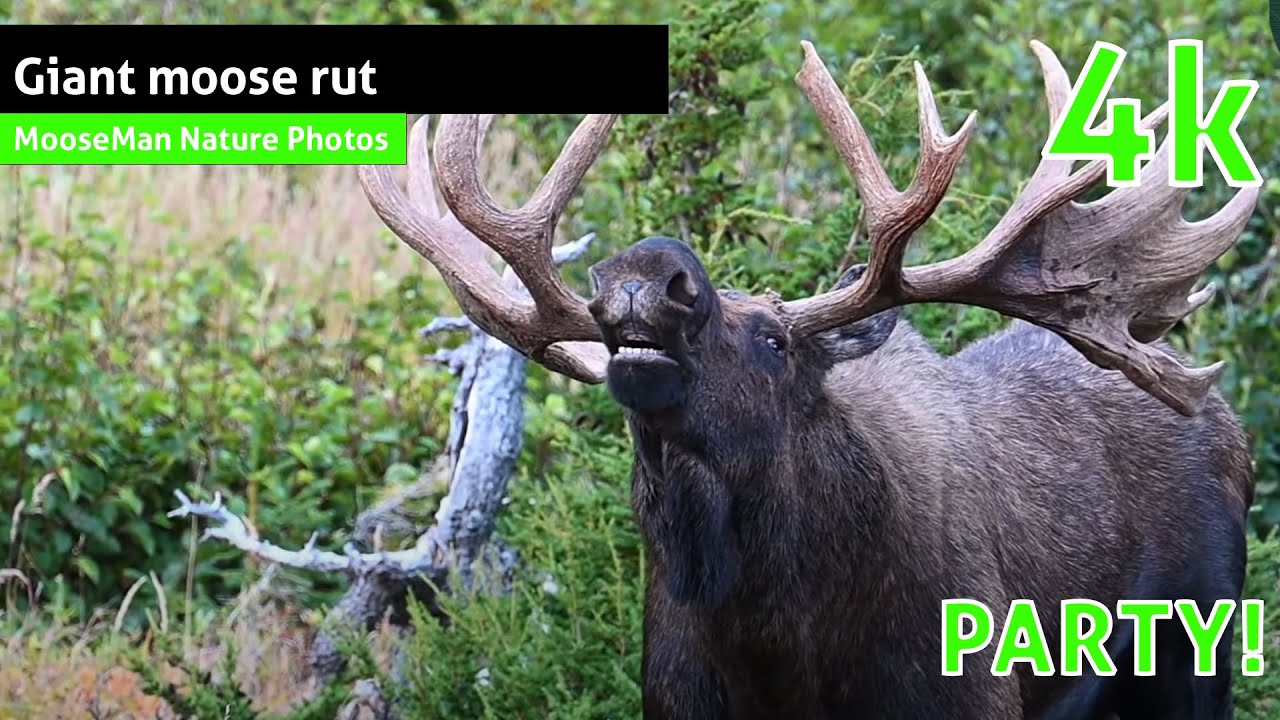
447,324
571,251
423,557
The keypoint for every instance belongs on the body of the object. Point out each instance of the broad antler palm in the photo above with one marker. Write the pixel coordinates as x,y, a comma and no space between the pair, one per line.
1110,276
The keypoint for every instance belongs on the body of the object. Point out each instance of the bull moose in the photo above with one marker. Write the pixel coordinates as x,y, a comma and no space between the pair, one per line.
811,479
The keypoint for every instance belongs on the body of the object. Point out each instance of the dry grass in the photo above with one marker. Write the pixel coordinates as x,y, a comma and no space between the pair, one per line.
311,227
48,681
65,673
302,223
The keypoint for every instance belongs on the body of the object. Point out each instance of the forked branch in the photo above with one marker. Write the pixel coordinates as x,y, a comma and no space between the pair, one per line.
422,558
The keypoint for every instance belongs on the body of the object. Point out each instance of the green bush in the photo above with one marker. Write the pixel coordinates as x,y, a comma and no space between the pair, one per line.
566,643
1258,697
122,382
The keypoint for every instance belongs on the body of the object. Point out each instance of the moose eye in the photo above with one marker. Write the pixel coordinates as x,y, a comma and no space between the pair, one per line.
774,344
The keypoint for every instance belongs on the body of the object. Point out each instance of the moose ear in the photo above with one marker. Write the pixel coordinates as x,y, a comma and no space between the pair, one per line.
860,337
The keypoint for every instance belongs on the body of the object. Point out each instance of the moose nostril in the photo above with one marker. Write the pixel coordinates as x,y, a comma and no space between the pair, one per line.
681,289
632,286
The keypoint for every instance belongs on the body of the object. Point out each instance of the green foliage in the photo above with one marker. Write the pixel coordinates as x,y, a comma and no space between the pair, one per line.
683,178
121,382
248,12
565,643
1258,697
207,698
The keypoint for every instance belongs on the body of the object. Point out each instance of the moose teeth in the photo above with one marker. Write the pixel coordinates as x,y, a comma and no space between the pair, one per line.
639,351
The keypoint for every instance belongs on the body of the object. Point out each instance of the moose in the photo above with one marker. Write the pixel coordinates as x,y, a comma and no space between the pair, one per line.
812,479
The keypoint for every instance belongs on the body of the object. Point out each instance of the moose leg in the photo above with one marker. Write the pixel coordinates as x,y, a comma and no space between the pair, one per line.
1221,577
1175,692
1211,696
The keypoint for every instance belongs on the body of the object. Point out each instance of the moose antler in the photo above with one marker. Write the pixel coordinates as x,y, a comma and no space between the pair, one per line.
1109,276
530,308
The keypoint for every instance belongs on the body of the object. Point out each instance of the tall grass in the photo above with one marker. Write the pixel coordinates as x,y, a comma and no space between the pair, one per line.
309,227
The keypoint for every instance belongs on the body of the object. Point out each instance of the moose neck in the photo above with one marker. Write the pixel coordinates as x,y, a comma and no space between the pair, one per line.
728,502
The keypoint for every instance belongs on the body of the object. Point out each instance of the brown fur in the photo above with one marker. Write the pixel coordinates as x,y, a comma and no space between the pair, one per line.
809,509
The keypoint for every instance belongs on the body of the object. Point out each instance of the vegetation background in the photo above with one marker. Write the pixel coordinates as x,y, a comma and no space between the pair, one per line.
253,330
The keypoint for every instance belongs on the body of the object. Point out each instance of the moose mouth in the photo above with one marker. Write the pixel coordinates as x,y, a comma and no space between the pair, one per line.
643,354
642,374
635,347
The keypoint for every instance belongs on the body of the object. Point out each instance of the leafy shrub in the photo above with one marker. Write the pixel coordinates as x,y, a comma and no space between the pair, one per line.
120,383
1257,697
566,642
276,12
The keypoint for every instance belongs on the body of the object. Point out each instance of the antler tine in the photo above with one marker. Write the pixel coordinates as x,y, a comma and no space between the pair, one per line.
940,153
523,237
845,130
892,215
1198,244
474,283
539,316
557,186
1053,183
422,189
1057,84
1109,276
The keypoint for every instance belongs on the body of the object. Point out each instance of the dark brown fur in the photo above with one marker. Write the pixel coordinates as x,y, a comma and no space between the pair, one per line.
808,509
